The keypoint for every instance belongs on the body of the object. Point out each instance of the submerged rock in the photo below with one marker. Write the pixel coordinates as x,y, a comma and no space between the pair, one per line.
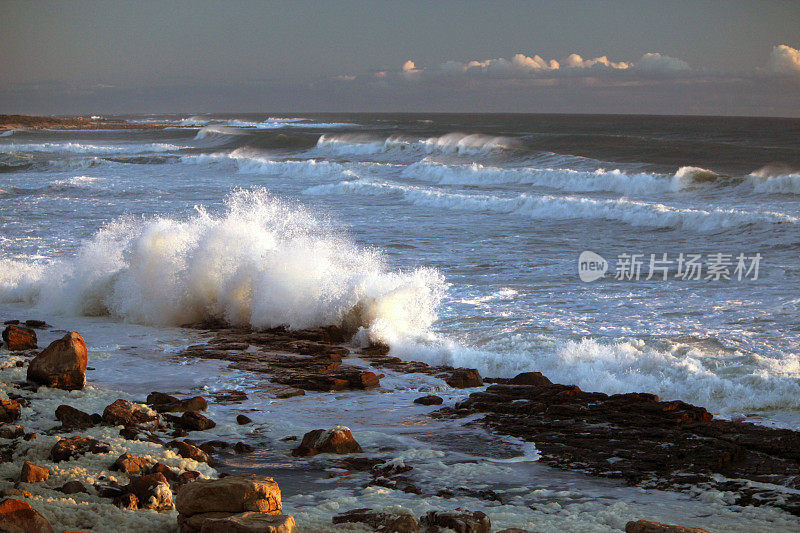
18,338
61,365
17,516
429,400
243,420
335,440
459,520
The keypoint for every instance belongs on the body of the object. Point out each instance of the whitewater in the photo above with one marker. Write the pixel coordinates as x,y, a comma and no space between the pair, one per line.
454,239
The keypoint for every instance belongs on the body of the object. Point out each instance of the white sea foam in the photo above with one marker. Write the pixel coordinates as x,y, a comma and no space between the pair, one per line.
89,148
785,184
547,207
80,182
8,133
554,178
457,143
212,131
260,262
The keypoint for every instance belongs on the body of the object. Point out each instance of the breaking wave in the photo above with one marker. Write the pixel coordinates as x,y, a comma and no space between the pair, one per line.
7,133
776,178
546,207
457,143
90,148
260,262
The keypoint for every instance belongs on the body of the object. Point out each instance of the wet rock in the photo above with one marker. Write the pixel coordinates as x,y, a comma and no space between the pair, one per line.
110,490
243,420
251,522
72,418
10,411
400,522
160,398
335,440
127,501
429,400
74,487
190,451
193,421
643,526
14,493
464,378
480,494
241,447
32,473
283,393
17,516
129,414
129,463
18,338
187,477
229,396
66,449
61,365
530,378
164,470
152,491
11,432
459,520
164,403
37,324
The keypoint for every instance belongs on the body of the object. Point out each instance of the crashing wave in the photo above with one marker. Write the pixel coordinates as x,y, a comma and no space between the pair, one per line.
455,143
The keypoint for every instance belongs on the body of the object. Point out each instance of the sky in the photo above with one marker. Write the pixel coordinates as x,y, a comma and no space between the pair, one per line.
673,57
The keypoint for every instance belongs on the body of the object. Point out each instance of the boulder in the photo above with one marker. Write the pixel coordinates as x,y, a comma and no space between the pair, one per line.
241,447
127,501
72,418
335,440
66,449
193,421
164,470
61,365
73,487
231,494
11,432
464,378
643,526
429,400
250,522
129,414
398,522
32,473
37,324
152,492
190,451
530,378
243,420
164,403
459,520
17,516
10,410
18,338
130,463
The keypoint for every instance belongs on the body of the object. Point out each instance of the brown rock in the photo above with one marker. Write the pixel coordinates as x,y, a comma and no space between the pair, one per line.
459,520
11,432
241,447
10,410
380,521
127,501
335,440
18,338
190,451
130,463
165,471
61,365
429,400
193,421
643,526
32,473
194,523
36,324
66,449
160,398
530,378
152,491
73,487
187,477
242,420
17,516
129,414
164,403
232,494
250,522
72,418
464,378
283,393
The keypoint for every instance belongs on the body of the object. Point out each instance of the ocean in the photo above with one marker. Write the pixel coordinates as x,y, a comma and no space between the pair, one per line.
455,239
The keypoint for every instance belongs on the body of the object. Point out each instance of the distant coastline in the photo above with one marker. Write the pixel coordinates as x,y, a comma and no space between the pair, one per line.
30,122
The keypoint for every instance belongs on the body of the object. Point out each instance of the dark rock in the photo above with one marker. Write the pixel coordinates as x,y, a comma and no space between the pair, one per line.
241,447
18,338
164,470
187,477
243,420
193,421
530,378
336,440
129,414
72,418
160,398
643,526
459,520
11,432
127,501
380,521
10,411
190,451
152,491
250,522
283,393
17,516
61,365
112,490
66,449
37,324
429,400
32,473
164,403
74,487
130,463
464,378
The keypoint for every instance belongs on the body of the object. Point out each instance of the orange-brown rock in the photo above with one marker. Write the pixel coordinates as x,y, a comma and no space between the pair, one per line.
66,449
32,473
18,338
72,418
129,463
152,491
464,378
17,516
396,522
231,494
10,410
643,526
335,440
61,365
130,414
250,522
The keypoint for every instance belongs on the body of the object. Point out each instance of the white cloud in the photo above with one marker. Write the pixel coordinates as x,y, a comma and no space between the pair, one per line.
409,66
784,60
656,62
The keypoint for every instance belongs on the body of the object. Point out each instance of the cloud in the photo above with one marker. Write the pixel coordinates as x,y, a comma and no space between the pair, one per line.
409,66
784,60
656,62
522,65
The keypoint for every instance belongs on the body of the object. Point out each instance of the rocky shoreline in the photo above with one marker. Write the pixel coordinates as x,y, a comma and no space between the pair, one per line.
81,458
29,122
